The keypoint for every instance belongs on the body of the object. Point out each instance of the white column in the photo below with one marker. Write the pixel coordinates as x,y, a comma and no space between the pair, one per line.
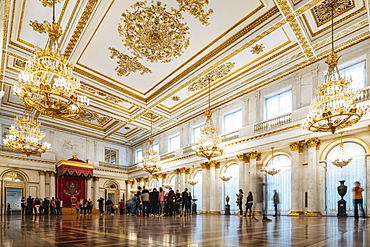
88,188
313,207
218,188
296,202
253,178
42,184
160,180
52,185
212,186
205,186
367,189
182,179
96,192
241,163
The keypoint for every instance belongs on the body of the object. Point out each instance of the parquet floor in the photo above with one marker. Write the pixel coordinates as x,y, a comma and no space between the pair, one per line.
191,231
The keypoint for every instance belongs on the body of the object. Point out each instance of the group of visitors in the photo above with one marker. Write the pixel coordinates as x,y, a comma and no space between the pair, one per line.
160,203
248,204
84,206
39,206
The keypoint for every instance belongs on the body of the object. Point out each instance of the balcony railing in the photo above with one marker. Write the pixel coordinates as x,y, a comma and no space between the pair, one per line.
168,155
188,149
364,94
272,123
4,148
116,166
230,136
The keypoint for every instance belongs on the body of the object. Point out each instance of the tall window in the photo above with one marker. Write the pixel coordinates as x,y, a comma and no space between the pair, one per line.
196,133
232,121
231,187
156,147
111,155
138,155
358,74
174,143
278,104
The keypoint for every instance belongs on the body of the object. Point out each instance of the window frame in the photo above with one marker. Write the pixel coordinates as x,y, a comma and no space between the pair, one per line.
274,94
353,63
156,144
137,151
110,155
169,142
193,132
228,114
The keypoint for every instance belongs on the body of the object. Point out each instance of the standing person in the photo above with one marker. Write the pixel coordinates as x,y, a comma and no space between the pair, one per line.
134,202
109,206
139,205
52,206
154,202
29,206
37,206
46,206
23,205
89,206
8,208
161,200
170,199
57,206
249,204
145,201
185,201
276,202
239,201
178,202
60,206
357,199
101,205
192,208
121,206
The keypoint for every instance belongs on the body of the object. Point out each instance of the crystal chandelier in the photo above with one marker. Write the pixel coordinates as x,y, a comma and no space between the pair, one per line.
47,83
342,159
151,160
25,135
225,178
272,169
334,106
209,144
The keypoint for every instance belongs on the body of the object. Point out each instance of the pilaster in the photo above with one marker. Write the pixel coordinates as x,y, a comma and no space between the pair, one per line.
96,192
88,188
296,194
313,144
42,184
52,185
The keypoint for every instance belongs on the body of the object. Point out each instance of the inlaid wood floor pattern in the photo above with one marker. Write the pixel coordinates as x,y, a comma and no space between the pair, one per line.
190,231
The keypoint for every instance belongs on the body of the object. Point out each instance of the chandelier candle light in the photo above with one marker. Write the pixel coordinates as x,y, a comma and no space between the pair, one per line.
151,160
47,83
25,135
333,106
271,170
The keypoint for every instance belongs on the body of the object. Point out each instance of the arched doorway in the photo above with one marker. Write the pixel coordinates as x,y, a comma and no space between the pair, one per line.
154,184
354,171
281,182
112,191
14,190
232,186
197,190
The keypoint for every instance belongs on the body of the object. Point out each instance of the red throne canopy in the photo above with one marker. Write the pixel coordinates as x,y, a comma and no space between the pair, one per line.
71,179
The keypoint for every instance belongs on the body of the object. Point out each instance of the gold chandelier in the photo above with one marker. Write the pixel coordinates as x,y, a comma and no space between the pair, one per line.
271,170
47,83
334,106
151,160
209,144
342,159
154,33
25,135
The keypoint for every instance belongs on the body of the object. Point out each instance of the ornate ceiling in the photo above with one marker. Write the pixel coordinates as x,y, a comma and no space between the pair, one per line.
265,40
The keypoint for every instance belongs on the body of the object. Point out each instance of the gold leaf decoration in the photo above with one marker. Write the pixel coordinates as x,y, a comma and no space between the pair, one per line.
195,8
257,49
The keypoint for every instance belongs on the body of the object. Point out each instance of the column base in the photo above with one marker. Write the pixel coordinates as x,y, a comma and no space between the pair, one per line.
257,212
295,213
313,213
204,212
214,212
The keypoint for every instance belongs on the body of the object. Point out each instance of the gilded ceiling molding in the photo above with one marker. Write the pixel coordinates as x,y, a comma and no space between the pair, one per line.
322,13
49,3
127,64
175,98
6,26
212,76
307,6
195,8
85,16
87,115
257,49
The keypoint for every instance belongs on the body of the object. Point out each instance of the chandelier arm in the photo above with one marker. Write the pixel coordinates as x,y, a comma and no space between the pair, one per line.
332,26
209,94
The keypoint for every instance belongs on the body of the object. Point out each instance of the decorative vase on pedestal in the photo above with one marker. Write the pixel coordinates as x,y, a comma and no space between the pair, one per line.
342,207
227,206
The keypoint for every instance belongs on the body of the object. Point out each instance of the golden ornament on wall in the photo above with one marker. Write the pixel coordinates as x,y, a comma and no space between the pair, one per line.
195,8
175,98
257,49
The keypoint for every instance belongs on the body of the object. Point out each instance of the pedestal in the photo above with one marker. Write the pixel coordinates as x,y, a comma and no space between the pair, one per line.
227,209
342,208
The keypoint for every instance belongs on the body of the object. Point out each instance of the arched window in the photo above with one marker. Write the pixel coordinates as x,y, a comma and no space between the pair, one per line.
13,177
154,184
173,183
354,171
232,186
197,190
281,182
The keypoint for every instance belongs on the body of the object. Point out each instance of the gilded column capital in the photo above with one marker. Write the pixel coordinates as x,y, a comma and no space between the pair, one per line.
187,171
313,142
160,175
52,174
296,146
255,155
155,176
42,173
205,165
96,178
138,179
214,163
240,157
182,170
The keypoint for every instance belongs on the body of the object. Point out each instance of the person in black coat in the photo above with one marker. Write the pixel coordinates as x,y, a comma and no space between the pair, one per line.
46,206
154,202
185,202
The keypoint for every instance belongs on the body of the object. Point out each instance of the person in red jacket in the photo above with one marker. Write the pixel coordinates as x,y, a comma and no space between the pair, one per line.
170,199
121,206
